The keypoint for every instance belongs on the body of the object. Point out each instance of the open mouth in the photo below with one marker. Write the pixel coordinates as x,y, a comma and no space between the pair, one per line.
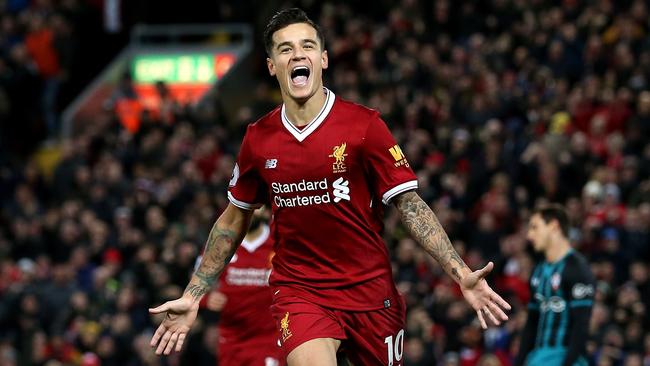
300,75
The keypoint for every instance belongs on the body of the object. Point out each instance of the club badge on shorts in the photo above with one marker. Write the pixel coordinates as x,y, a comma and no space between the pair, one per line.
284,326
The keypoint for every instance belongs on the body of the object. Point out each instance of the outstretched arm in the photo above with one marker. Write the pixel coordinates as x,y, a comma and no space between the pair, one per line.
424,226
225,236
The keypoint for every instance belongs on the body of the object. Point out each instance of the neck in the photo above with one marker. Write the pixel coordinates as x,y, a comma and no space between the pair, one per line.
300,113
557,250
254,234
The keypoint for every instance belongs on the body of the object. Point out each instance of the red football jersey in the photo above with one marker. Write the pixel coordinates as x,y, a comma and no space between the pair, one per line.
326,184
246,317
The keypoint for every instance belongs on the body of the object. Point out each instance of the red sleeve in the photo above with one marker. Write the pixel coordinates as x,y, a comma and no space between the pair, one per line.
246,190
390,171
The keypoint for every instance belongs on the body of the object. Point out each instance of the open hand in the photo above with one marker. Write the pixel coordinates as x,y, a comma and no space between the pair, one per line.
482,298
179,317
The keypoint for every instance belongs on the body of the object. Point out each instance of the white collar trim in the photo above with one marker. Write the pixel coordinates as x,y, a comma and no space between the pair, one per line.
251,246
301,134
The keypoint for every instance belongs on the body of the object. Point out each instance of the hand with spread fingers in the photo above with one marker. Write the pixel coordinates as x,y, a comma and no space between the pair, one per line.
179,317
487,303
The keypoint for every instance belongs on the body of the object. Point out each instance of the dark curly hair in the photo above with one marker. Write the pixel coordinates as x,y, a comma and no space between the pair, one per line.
287,17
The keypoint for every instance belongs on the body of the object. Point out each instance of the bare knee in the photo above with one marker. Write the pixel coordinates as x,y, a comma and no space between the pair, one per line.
315,352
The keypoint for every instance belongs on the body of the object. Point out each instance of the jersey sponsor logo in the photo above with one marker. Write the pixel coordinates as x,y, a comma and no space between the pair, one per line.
341,190
396,152
310,192
556,279
555,304
302,186
339,155
284,327
581,290
271,164
398,155
235,176
247,276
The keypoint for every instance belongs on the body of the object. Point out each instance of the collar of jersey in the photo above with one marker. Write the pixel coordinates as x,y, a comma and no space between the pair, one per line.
301,134
565,256
251,246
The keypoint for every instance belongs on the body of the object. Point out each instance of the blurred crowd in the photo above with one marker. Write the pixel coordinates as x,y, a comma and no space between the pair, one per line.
46,56
500,106
36,54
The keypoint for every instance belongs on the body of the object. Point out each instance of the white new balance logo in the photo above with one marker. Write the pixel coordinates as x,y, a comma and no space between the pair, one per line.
271,163
341,190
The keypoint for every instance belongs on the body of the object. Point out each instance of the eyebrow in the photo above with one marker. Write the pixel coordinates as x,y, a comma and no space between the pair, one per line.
288,43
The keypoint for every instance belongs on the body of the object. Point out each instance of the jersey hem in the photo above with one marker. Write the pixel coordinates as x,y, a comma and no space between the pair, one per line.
400,188
241,204
306,295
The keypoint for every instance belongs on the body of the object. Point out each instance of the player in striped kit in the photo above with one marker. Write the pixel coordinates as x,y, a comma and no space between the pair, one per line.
562,292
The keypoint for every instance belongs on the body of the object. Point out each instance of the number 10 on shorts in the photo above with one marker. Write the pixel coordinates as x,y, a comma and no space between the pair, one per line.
396,348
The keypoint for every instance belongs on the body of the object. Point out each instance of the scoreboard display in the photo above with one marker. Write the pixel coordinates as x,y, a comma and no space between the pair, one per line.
190,60
181,69
187,75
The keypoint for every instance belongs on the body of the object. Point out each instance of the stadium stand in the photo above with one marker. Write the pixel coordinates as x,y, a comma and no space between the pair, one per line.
500,106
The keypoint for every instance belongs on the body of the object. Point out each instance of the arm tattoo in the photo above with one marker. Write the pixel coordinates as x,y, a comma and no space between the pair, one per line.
196,291
424,226
219,248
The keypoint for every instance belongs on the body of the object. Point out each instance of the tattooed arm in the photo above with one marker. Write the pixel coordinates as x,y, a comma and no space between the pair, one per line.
226,235
424,226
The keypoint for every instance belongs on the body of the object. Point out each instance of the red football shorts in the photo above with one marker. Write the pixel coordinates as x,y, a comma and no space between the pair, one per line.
263,353
368,337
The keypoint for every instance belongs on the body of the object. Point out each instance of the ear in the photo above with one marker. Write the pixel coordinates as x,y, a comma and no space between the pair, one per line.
324,59
555,225
271,66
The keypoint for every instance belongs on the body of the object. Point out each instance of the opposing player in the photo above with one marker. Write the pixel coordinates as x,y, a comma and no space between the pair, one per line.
247,333
562,289
326,166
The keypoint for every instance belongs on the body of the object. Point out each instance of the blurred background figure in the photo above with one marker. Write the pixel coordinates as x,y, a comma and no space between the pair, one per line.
562,291
247,334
